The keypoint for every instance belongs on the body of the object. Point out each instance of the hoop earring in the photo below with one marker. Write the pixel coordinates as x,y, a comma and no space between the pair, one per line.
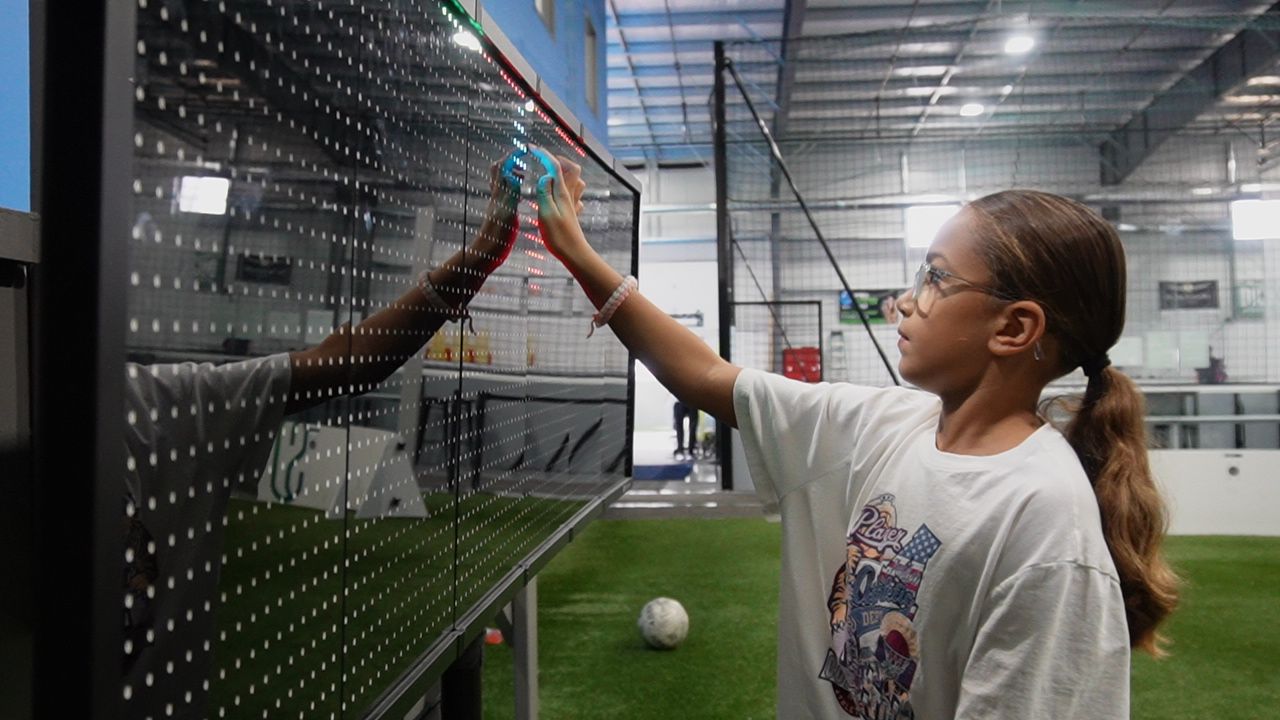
1037,353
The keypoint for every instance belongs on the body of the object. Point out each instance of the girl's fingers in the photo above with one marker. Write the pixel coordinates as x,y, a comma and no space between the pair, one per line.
547,204
572,174
561,188
552,188
548,161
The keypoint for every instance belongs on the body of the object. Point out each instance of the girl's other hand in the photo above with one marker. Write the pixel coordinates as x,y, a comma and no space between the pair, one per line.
559,202
504,188
498,232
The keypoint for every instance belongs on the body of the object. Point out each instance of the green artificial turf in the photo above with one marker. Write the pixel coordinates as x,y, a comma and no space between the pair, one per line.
1224,663
288,602
593,663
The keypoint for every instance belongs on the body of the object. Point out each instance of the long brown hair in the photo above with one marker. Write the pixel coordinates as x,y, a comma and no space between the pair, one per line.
1062,255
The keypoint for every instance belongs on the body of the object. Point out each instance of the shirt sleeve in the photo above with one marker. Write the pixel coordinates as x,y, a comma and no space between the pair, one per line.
1054,643
794,432
193,423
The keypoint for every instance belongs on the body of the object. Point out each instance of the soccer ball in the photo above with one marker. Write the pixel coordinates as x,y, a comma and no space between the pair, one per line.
663,623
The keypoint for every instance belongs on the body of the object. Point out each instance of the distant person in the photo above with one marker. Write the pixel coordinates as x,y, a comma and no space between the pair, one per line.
947,553
683,413
1215,374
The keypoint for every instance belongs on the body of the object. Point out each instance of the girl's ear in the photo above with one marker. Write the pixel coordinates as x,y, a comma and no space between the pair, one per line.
1018,327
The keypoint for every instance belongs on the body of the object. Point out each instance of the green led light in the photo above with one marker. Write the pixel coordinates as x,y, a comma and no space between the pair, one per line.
454,8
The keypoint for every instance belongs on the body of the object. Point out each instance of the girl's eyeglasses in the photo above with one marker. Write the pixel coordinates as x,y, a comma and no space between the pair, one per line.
928,276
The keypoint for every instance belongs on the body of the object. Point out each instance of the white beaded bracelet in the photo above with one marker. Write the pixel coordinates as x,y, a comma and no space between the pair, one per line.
600,319
438,303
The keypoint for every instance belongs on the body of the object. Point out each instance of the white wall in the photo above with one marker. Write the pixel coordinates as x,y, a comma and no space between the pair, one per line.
677,186
1215,492
678,271
677,287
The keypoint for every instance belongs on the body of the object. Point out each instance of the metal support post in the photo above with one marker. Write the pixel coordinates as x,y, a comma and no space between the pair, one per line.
524,612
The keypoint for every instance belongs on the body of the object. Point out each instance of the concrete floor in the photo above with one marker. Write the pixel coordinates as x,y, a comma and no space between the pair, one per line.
696,496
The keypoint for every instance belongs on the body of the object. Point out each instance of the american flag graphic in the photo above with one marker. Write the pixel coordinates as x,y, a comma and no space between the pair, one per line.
922,545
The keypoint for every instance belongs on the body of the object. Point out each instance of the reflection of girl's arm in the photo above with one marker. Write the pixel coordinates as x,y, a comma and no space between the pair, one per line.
387,338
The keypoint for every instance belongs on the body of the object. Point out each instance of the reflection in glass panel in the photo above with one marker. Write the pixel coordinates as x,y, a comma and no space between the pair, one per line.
531,425
329,465
401,544
234,486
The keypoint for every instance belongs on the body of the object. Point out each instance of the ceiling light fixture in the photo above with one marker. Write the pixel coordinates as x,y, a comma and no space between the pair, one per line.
1019,44
1255,219
1249,99
921,70
927,91
203,194
923,222
972,109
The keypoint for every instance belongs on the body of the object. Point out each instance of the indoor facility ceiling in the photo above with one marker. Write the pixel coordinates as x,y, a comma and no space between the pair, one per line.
915,68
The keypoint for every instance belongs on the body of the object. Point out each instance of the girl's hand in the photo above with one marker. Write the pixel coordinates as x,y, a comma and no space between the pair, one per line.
504,193
498,232
559,202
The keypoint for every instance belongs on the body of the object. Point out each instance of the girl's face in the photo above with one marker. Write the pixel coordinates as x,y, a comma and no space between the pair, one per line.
945,330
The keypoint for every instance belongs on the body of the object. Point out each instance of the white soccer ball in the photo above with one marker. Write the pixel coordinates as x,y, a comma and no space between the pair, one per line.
663,623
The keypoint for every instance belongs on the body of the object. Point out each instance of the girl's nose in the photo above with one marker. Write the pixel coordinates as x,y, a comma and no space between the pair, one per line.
906,303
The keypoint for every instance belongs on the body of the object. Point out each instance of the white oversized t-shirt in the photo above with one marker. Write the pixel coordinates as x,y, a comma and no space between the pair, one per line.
923,584
194,432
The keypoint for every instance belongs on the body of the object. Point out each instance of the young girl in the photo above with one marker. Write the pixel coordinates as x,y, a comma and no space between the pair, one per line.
946,554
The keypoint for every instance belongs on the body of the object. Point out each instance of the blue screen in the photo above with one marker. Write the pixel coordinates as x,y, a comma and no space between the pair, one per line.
15,110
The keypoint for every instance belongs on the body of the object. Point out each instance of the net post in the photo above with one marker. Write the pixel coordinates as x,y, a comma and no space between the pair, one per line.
724,257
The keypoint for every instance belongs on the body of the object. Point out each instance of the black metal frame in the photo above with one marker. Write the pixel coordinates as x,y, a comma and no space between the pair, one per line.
782,303
82,124
79,351
631,358
724,253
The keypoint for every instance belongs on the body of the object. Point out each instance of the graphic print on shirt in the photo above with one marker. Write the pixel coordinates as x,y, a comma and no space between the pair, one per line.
875,649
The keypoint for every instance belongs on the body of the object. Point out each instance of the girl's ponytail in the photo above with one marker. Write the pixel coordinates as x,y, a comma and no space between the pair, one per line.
1109,436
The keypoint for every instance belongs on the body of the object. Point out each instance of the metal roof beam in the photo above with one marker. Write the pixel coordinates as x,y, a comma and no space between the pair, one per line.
1120,83
931,13
635,81
695,17
1252,51
792,30
818,15
868,55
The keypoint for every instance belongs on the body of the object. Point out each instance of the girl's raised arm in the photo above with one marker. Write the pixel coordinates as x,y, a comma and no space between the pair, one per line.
680,360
